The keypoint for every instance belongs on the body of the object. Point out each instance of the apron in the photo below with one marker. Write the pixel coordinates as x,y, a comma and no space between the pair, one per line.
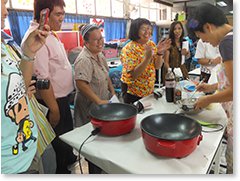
228,107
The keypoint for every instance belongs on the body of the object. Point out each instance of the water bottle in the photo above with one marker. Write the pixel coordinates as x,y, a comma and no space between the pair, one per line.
170,85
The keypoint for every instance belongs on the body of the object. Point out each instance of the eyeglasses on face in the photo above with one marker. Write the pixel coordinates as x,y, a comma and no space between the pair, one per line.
97,40
146,29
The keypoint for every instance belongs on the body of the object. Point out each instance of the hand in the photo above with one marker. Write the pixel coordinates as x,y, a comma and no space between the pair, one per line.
205,88
163,45
185,52
103,102
201,103
217,60
35,41
54,118
31,89
148,53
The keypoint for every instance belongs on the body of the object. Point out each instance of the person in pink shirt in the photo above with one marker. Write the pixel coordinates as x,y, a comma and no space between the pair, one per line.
52,63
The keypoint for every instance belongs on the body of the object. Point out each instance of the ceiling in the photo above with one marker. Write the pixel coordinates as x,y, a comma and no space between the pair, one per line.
228,8
181,4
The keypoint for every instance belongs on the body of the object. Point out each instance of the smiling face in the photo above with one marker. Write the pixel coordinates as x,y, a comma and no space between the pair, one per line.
56,18
209,34
145,33
4,12
177,31
95,41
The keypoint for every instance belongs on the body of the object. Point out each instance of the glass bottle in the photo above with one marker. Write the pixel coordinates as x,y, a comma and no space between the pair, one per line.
170,84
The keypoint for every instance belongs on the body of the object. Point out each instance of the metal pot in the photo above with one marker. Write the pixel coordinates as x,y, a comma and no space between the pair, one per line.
171,135
114,119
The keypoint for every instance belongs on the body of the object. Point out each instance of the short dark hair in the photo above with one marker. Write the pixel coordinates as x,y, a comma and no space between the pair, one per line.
205,13
39,5
171,32
135,26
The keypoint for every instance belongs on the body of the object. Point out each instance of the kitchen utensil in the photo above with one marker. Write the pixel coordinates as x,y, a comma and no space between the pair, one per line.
215,126
114,119
171,135
196,89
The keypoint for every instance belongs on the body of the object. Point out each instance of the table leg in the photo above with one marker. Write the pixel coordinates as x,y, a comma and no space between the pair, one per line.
217,160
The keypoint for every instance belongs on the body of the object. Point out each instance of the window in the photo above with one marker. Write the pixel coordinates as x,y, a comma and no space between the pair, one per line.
134,12
144,13
134,2
22,4
86,7
144,3
153,14
70,6
103,8
117,9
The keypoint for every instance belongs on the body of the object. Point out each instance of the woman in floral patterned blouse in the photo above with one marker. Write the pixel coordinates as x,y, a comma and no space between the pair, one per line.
140,59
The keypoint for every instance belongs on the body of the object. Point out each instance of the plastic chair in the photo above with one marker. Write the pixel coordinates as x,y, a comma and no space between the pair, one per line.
115,74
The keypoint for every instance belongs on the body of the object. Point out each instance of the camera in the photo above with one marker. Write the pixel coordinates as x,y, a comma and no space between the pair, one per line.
41,83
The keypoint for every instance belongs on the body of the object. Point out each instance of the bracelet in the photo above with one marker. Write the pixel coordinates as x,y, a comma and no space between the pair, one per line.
159,54
27,58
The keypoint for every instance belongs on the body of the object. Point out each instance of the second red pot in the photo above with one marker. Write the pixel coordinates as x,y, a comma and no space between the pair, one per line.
171,135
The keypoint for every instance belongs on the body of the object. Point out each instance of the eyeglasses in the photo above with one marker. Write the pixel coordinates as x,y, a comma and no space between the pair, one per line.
145,29
97,40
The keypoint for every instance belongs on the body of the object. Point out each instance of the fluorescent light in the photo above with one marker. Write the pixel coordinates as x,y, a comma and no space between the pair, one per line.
231,12
221,3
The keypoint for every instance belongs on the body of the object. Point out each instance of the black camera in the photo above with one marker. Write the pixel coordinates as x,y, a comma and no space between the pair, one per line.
41,83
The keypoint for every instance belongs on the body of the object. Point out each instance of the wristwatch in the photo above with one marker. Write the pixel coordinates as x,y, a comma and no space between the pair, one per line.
27,58
210,62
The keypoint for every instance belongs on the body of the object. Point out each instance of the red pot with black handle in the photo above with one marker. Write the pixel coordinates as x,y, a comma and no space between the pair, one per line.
114,119
171,135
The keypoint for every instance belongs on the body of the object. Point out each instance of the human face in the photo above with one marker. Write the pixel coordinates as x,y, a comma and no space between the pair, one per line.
208,35
177,31
4,12
96,42
56,18
145,33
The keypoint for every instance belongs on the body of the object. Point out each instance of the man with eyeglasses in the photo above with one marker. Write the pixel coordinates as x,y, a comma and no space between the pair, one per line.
51,63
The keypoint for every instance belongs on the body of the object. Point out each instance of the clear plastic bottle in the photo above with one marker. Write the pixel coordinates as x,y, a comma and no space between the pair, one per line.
170,85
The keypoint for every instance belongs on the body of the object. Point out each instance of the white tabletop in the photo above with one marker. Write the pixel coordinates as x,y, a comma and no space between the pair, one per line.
127,153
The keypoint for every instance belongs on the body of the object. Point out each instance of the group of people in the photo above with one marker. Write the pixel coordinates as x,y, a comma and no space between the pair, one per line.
43,55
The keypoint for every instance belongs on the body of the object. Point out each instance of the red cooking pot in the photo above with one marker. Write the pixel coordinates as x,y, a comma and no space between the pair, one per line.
171,135
114,119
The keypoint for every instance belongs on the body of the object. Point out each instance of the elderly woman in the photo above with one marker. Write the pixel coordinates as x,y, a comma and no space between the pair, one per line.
94,86
140,58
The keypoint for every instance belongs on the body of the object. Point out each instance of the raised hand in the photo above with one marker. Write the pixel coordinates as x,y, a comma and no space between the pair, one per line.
163,45
35,41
